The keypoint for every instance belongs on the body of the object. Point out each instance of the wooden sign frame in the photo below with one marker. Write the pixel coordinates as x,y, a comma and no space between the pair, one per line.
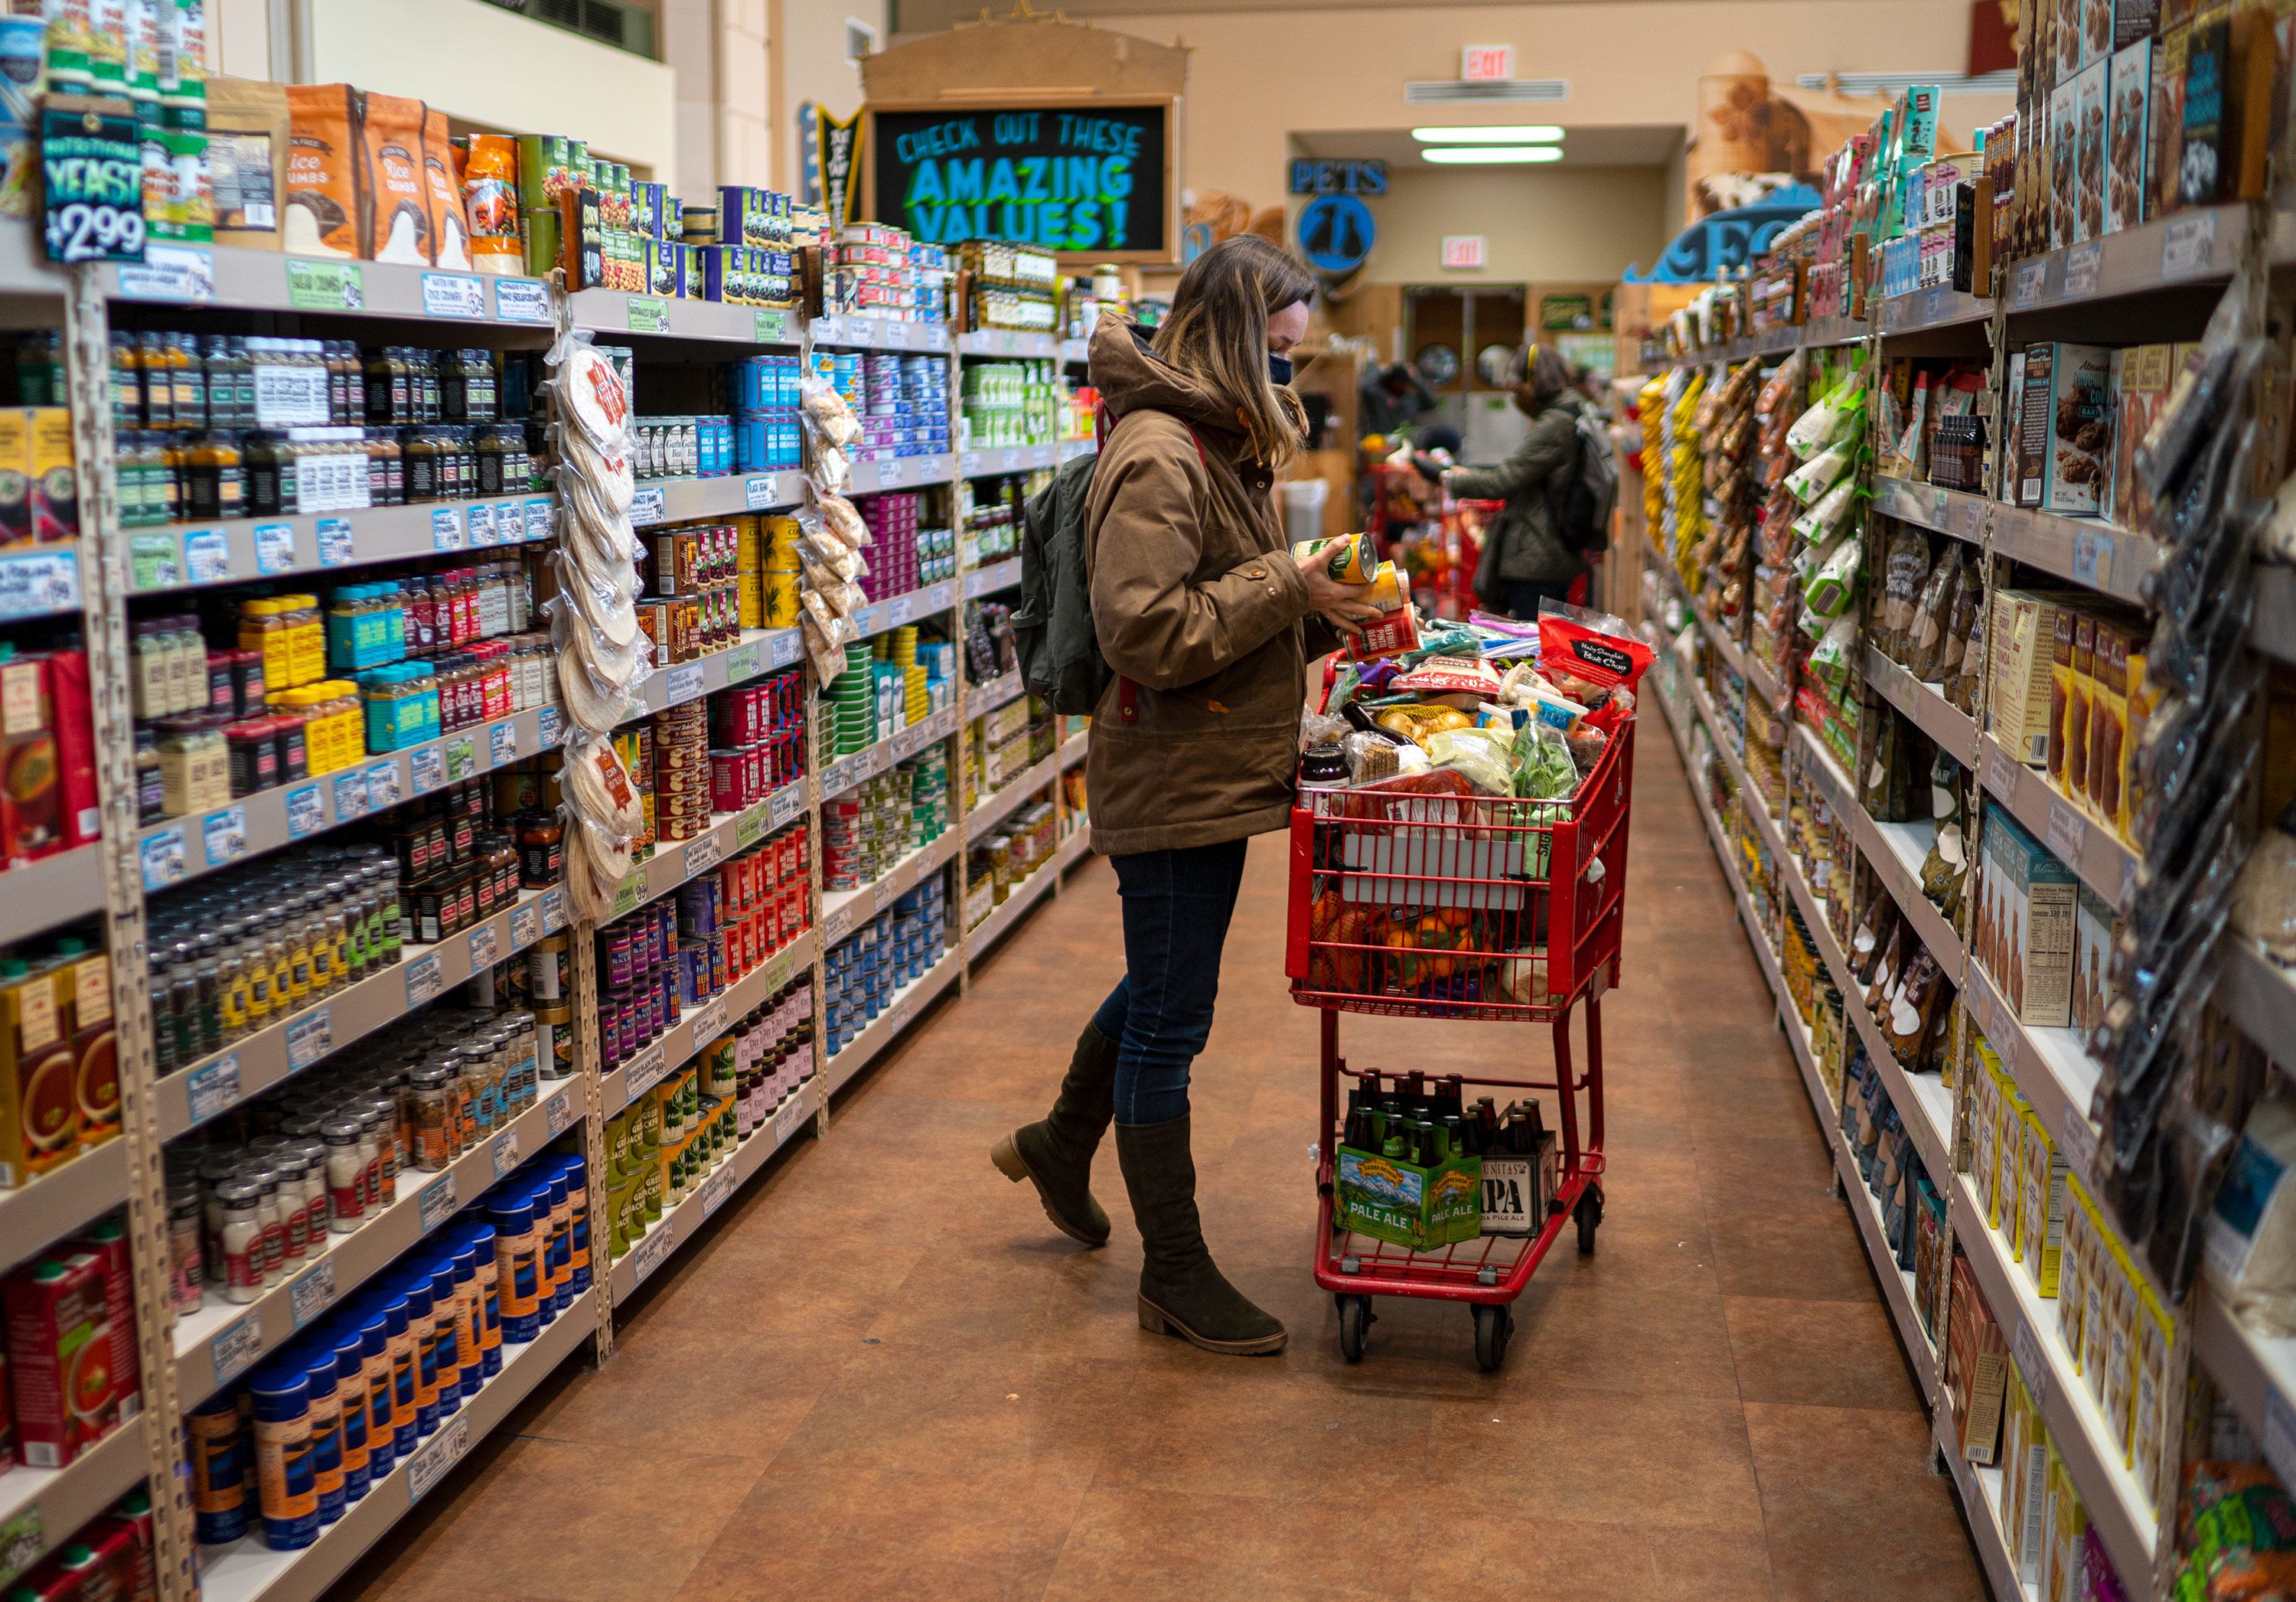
1085,102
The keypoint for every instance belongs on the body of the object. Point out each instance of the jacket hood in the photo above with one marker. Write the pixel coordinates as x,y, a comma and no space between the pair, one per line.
1129,375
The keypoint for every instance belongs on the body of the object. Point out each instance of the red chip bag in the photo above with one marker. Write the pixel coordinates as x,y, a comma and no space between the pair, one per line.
1590,646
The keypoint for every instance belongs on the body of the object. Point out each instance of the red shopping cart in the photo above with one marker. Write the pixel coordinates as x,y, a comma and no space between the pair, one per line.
1434,903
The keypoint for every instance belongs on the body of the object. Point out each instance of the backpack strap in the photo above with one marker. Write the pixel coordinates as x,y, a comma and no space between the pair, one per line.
1103,424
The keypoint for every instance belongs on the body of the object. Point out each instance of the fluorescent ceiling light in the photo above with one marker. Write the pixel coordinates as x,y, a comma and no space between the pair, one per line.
1492,155
1537,133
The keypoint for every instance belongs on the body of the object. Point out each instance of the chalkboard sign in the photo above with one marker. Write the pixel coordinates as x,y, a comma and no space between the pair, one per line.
1092,180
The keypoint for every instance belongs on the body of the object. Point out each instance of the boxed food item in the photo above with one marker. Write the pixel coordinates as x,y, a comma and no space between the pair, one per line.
60,1357
2024,929
2134,20
39,1114
84,979
2168,115
2066,440
2128,140
2095,32
2139,381
2041,1231
1977,1362
2092,101
2095,926
2024,1477
2021,634
2064,165
2205,162
2067,1525
2148,1407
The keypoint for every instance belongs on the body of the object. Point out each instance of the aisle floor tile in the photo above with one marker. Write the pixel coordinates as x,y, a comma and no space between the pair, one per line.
881,1372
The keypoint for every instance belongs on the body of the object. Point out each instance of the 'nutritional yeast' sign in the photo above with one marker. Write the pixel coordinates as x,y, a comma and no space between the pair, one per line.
1064,180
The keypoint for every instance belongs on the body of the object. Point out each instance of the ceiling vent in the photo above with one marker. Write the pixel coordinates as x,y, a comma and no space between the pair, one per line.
1443,91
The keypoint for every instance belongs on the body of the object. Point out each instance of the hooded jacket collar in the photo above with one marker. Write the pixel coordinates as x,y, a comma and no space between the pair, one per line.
1129,375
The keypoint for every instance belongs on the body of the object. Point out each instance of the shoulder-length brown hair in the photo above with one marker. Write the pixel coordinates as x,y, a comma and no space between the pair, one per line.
1218,334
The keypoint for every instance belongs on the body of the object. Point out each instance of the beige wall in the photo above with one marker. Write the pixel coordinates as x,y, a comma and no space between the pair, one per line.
1256,77
1541,225
814,67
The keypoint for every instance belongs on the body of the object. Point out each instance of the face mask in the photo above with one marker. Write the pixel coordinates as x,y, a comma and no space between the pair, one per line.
1279,369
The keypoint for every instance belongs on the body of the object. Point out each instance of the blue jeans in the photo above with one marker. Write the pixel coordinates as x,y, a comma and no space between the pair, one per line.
1177,907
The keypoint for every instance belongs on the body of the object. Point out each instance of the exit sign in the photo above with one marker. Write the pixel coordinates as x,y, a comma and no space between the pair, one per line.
1487,63
1463,249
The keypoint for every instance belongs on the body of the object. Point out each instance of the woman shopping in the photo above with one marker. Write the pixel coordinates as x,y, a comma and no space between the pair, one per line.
1528,555
1208,622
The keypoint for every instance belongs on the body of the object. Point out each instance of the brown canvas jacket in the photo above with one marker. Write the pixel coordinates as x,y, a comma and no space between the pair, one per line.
1199,606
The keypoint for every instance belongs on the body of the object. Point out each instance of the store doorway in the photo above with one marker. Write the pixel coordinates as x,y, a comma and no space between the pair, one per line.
1461,339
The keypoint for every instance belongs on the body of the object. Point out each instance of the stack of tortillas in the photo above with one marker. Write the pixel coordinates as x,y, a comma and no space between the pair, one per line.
830,545
603,657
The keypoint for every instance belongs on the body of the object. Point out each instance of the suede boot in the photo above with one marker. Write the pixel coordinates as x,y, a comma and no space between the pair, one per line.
1181,1292
1056,1155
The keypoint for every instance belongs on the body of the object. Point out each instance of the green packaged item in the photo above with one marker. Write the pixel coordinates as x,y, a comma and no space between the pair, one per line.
1407,1203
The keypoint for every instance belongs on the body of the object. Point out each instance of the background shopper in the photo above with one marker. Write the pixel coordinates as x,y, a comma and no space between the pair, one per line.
1202,612
1526,556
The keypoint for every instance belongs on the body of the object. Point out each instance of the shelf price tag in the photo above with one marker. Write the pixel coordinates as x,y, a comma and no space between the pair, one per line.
234,1349
435,1457
506,1151
772,326
305,811
482,516
222,836
2026,290
350,796
2032,1361
313,1293
701,854
184,273
312,1037
38,583
424,980
654,1250
525,926
151,562
452,295
483,940
206,553
2068,831
163,858
758,490
744,661
426,770
1999,772
437,1202
336,544
447,530
648,316
717,1187
748,828
783,649
646,1070
890,472
787,802
2093,557
461,758
2188,245
708,1021
645,505
275,547
502,745
23,1537
547,726
2082,264
686,683
553,911
214,1089
558,1114
522,301
326,285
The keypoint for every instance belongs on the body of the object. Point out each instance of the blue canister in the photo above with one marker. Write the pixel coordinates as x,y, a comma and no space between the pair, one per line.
470,1320
281,1397
447,1313
577,1172
485,1265
323,1381
423,1325
374,1358
561,1242
350,1391
518,1277
222,1499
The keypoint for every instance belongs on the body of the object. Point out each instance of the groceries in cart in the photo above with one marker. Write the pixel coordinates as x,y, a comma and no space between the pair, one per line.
1438,782
1416,1167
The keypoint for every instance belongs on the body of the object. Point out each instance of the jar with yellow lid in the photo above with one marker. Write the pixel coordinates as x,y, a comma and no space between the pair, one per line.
263,626
307,627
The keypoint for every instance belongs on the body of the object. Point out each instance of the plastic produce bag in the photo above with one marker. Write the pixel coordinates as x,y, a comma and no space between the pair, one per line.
1544,769
1474,754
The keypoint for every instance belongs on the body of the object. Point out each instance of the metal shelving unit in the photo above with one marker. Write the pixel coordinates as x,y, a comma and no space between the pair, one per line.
186,1358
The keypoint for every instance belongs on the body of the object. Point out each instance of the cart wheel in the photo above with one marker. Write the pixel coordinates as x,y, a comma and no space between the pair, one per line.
1589,1215
1493,1328
1355,1326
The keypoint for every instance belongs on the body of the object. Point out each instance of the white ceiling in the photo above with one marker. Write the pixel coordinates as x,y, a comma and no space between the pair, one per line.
1644,146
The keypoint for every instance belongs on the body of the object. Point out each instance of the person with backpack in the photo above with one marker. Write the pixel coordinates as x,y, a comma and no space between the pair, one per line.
1160,593
1556,512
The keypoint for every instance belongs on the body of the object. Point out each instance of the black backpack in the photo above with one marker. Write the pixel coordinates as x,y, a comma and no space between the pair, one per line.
1060,664
1582,521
